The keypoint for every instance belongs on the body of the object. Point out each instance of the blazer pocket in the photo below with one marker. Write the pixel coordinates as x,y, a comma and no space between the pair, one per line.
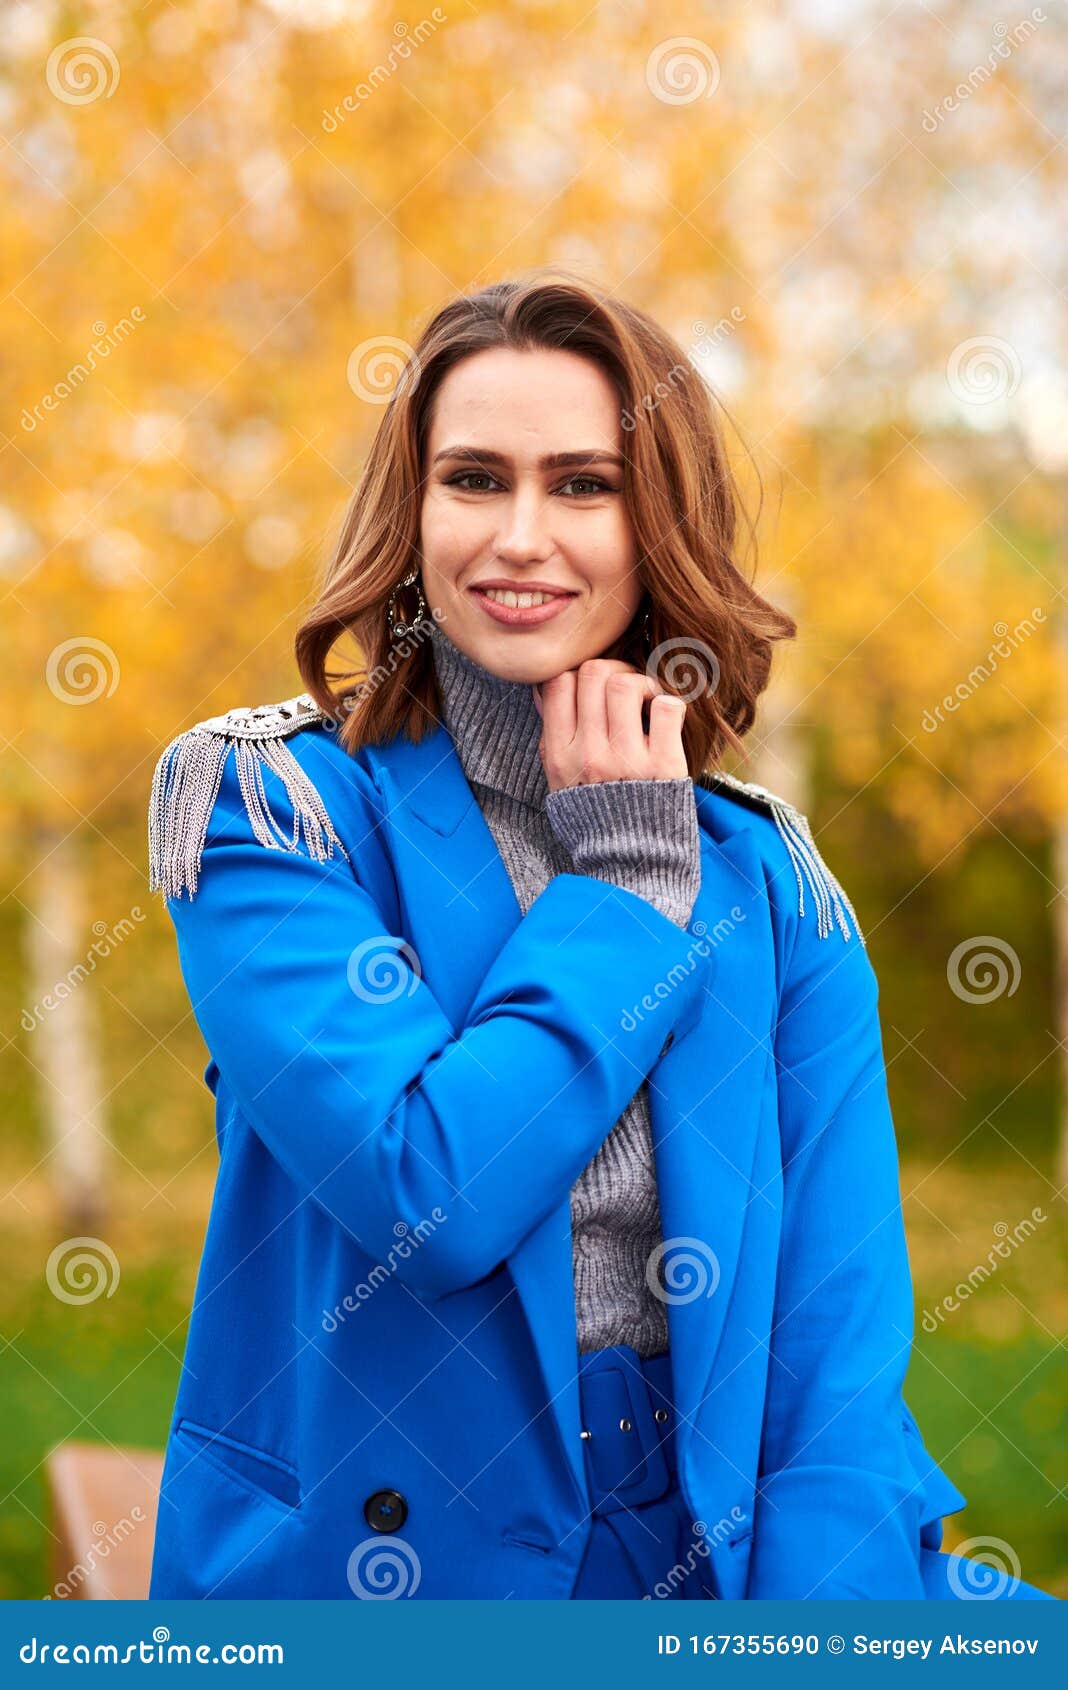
267,1475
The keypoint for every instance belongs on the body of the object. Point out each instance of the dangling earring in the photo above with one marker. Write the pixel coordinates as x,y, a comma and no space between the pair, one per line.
401,630
645,631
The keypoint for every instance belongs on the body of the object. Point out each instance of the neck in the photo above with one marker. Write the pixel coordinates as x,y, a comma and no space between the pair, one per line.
494,722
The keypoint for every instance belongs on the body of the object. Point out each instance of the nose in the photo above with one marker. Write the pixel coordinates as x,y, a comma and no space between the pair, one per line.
524,533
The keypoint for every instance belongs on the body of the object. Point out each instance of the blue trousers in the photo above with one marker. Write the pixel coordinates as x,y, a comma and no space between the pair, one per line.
642,1539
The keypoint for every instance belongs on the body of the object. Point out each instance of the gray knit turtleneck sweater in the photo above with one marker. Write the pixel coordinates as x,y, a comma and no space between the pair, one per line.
641,835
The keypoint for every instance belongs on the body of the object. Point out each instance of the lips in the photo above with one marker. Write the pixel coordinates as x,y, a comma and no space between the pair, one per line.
502,586
521,616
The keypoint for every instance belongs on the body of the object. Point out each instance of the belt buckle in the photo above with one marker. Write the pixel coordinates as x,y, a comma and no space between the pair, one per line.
625,1395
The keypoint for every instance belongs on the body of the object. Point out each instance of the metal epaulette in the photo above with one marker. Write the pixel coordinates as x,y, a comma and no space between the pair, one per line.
828,894
188,775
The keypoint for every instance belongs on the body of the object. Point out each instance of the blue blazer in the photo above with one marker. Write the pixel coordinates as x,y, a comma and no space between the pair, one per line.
409,1076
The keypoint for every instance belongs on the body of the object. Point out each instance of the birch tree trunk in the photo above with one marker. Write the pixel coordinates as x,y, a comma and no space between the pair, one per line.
64,1040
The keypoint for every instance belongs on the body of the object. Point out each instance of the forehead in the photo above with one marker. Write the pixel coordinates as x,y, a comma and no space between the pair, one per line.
539,400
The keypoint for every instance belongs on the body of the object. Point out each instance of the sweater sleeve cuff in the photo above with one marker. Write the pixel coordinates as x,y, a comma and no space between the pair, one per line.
642,835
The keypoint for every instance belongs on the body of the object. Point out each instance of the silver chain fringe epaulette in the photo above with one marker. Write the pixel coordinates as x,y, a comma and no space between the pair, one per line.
187,780
829,895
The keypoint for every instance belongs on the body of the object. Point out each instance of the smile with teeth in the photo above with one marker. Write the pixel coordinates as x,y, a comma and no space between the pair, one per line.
520,601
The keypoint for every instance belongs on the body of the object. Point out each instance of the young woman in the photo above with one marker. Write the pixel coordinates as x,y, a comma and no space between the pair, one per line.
556,1249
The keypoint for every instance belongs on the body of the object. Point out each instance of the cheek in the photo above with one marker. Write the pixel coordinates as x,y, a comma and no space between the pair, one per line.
450,533
609,551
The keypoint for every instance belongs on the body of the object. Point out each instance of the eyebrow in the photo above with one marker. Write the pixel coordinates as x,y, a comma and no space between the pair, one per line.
551,460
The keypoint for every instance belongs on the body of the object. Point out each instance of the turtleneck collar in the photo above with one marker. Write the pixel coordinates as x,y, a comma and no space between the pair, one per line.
494,723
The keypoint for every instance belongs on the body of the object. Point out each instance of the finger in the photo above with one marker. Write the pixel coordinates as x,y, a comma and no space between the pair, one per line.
667,713
624,699
594,675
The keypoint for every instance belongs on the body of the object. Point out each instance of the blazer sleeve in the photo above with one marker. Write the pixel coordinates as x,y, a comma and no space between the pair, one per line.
345,1064
836,1511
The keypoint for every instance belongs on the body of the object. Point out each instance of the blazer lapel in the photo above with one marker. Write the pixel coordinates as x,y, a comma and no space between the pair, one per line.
705,1098
459,908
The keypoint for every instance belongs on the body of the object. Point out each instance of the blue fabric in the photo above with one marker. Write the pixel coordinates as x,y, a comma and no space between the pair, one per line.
643,1543
409,1075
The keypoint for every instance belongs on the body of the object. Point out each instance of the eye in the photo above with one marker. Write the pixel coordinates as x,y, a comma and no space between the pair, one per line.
593,482
469,475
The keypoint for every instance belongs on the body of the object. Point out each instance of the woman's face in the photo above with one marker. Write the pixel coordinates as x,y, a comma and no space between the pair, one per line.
498,511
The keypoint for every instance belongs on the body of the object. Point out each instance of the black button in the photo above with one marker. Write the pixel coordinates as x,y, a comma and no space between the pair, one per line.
667,1044
386,1510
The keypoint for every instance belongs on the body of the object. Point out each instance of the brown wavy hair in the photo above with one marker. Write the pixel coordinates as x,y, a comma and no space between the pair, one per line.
704,615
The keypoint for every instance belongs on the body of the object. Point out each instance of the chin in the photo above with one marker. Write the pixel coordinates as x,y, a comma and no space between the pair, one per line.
525,670
523,657
530,657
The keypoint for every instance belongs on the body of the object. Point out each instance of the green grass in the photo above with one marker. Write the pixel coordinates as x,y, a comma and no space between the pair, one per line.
992,1415
102,1371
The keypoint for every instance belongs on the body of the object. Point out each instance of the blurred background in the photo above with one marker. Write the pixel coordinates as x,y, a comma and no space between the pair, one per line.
224,224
